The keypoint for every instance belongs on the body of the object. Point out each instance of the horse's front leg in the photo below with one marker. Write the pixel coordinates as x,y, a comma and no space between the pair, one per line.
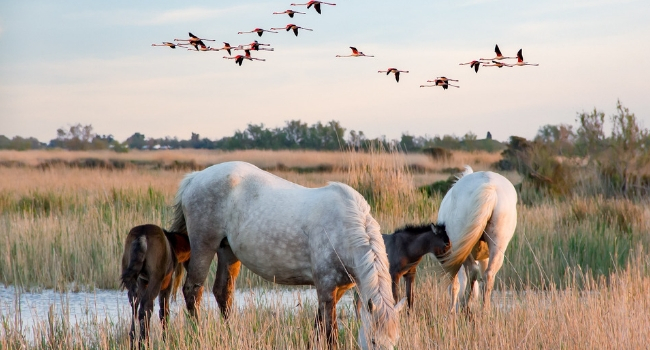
228,267
197,271
326,318
409,278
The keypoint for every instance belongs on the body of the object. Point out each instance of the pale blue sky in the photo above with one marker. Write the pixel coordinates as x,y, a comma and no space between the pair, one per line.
67,62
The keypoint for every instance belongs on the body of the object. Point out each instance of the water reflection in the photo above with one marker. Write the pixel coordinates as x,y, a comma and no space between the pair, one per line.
27,310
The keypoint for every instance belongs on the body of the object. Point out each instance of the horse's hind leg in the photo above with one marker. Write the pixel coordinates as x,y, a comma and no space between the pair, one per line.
228,267
134,301
163,313
146,307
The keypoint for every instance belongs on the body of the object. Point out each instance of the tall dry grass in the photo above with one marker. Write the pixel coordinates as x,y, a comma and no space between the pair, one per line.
576,273
607,313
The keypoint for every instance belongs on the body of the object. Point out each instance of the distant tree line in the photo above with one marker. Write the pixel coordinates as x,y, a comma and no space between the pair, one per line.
294,135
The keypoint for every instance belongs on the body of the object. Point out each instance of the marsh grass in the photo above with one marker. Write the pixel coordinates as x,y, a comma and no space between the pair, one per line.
605,313
575,275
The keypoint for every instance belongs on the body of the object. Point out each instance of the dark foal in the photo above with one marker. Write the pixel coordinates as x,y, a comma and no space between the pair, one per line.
406,247
152,265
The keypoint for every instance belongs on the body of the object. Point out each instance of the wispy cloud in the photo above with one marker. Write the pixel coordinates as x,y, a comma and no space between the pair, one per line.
190,14
154,18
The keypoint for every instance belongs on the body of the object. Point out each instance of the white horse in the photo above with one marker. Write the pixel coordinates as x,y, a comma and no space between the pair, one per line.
480,214
287,234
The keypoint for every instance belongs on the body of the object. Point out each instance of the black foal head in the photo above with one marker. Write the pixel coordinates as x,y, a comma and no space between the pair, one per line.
442,244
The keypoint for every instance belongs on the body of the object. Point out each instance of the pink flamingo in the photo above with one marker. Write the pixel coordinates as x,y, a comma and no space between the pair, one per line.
441,81
248,56
259,31
166,43
255,45
293,27
289,12
195,41
239,59
520,60
227,47
394,71
497,64
316,5
355,53
499,55
473,64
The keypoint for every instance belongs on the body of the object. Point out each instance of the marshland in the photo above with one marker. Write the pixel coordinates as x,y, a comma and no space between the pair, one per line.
576,273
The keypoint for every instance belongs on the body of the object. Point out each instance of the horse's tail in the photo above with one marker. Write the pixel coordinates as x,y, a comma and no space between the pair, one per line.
371,266
180,246
137,255
178,217
482,200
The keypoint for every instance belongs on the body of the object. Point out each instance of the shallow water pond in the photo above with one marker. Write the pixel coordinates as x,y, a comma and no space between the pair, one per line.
27,310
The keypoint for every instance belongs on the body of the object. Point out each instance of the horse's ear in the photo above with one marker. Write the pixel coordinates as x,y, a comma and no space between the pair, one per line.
399,306
371,306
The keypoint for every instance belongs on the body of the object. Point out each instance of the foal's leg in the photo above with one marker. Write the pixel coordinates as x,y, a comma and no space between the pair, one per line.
409,278
133,300
146,307
224,284
163,301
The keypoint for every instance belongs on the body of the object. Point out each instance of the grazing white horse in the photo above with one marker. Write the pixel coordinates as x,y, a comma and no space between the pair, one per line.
480,214
287,234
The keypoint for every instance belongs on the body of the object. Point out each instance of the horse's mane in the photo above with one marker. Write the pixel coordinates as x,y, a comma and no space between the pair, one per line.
414,229
371,262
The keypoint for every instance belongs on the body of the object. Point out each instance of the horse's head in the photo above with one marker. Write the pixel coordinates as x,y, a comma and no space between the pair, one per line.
375,332
442,244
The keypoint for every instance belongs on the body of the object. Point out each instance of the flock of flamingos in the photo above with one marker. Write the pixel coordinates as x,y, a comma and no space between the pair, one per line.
199,45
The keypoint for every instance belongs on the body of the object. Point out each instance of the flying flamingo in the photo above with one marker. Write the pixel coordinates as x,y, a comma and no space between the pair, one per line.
473,64
239,59
259,31
226,47
316,5
195,41
499,55
441,81
289,12
520,60
255,45
248,56
293,27
204,48
166,43
497,64
355,53
394,71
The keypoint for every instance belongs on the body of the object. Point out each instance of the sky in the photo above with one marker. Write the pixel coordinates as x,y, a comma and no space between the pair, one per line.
67,62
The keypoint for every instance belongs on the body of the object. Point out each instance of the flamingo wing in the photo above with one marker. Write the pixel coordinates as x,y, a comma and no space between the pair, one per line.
498,52
354,50
295,30
397,76
317,7
520,56
193,36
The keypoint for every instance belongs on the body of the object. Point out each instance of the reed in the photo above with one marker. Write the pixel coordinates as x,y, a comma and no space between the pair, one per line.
605,313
